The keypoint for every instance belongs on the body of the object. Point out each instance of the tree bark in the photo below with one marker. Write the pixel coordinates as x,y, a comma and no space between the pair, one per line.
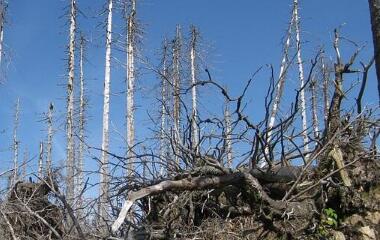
326,97
374,7
164,96
314,108
177,45
41,162
49,145
104,171
301,78
228,135
70,108
194,115
82,105
15,142
130,115
24,164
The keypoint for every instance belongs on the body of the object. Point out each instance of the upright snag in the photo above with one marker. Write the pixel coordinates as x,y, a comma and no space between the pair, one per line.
15,142
301,78
334,152
130,114
82,105
228,134
325,90
49,145
314,107
279,87
104,178
41,162
177,46
164,98
282,76
24,165
70,107
194,113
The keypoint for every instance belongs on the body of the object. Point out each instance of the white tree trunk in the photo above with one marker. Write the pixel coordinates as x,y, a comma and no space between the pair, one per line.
70,108
281,77
228,134
41,161
279,88
15,142
301,78
194,115
176,89
314,106
82,103
104,178
49,145
24,164
326,103
131,86
164,94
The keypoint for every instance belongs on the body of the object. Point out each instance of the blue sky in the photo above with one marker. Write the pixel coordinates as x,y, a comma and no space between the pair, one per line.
237,38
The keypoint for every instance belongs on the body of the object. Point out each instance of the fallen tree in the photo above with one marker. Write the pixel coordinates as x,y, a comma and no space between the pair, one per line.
338,180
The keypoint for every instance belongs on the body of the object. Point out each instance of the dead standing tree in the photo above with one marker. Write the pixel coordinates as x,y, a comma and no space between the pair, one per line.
49,143
70,106
194,99
79,178
16,143
104,168
131,77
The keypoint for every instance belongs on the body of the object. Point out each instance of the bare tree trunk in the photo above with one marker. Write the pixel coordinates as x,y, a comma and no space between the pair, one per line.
282,76
301,78
130,116
15,142
49,145
228,140
104,178
164,95
194,115
176,88
82,105
326,97
279,87
314,107
70,108
41,162
374,7
24,164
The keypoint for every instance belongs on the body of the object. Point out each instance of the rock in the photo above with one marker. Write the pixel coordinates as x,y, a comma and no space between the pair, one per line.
373,217
354,219
367,233
338,235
